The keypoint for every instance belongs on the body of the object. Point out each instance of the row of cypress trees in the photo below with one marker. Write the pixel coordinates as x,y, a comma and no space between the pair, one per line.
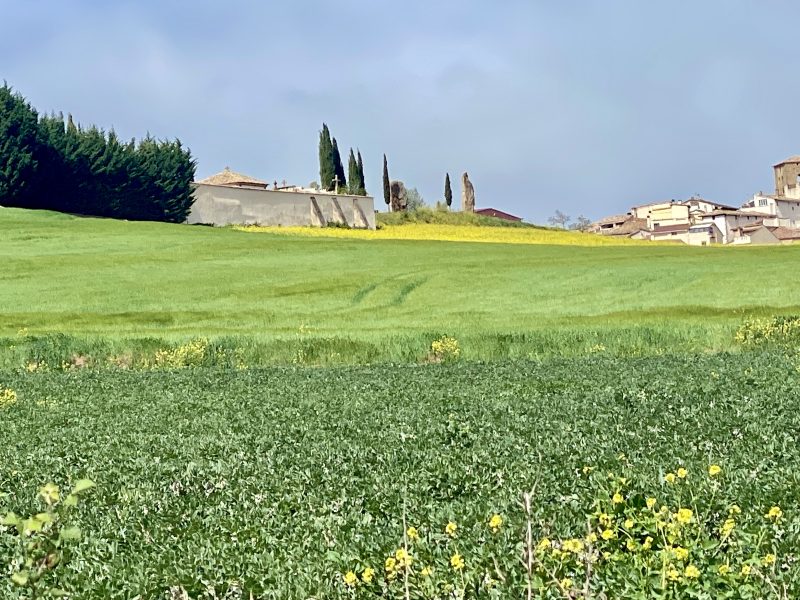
331,169
51,163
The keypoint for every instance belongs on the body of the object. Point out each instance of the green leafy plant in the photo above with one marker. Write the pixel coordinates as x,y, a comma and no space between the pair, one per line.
42,538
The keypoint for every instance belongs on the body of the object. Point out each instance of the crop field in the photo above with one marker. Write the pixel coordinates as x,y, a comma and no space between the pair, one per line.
104,290
359,482
198,413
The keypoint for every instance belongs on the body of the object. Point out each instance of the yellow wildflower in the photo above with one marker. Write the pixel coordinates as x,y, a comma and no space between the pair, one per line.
350,579
768,560
565,583
390,564
684,516
50,493
774,513
682,473
680,553
495,522
648,543
608,534
574,545
450,529
457,562
587,469
426,572
735,510
367,575
714,470
727,527
723,569
669,477
673,574
651,502
746,570
617,498
628,523
591,538
604,520
543,545
403,558
412,533
692,572
630,545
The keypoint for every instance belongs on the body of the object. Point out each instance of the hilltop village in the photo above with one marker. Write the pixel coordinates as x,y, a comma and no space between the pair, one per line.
764,219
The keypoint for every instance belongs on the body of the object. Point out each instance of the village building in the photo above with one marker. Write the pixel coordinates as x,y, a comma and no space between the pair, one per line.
780,211
704,234
230,198
787,178
497,214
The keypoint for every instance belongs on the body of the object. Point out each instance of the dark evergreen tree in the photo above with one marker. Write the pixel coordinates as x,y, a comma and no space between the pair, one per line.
387,192
352,174
47,163
339,167
448,192
327,166
361,180
18,148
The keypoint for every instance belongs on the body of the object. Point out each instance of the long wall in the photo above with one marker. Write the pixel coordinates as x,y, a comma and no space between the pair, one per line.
227,205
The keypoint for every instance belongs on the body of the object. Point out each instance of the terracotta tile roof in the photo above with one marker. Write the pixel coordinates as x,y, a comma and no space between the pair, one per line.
792,160
228,177
786,233
499,214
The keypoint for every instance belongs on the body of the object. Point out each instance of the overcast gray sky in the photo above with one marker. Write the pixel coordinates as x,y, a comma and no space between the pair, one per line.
585,106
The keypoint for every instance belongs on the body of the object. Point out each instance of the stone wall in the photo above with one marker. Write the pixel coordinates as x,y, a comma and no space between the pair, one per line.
223,205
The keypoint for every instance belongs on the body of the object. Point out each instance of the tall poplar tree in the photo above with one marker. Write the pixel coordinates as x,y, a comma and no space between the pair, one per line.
338,166
327,167
387,192
448,192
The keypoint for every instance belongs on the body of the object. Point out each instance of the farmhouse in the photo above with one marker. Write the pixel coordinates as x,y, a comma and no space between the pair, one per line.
497,214
230,198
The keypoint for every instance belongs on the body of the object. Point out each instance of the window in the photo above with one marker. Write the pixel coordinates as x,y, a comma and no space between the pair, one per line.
762,202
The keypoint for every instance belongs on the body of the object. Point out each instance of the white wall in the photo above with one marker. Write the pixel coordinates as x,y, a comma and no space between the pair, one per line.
225,205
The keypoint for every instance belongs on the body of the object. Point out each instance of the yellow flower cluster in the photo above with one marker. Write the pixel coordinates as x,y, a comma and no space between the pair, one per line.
445,349
452,233
8,397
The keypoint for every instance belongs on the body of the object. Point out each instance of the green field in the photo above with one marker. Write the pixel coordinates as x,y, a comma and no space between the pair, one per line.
278,481
263,418
117,287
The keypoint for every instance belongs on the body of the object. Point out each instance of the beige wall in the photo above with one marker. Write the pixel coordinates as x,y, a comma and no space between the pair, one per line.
786,179
224,205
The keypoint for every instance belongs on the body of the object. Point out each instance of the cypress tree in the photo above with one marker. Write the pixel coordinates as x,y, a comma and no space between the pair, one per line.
352,174
362,186
327,169
338,167
448,192
387,192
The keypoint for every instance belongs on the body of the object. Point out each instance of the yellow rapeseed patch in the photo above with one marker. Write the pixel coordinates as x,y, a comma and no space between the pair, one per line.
454,233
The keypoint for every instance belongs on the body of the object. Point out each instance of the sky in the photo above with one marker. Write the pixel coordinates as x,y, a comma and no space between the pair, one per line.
583,106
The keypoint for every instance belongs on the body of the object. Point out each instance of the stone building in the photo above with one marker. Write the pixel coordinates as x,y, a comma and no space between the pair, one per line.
787,178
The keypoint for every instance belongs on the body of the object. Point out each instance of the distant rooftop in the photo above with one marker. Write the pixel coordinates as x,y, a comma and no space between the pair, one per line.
228,177
792,160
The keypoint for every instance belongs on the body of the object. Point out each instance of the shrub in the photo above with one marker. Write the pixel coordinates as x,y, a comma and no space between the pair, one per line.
190,354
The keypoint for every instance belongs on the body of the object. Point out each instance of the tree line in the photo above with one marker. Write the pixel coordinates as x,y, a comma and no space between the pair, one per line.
49,162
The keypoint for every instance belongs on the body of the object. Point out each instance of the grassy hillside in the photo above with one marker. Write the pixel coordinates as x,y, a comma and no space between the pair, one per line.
283,296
